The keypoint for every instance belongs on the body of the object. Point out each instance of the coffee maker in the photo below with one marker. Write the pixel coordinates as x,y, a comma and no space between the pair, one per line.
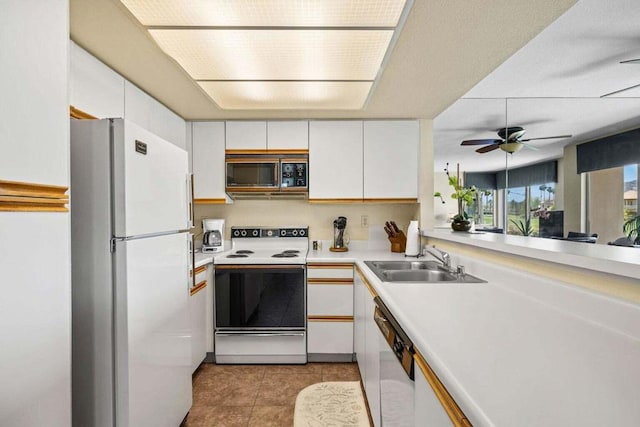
213,235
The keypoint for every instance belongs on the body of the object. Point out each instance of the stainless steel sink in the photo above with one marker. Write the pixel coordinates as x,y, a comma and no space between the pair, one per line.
417,272
403,265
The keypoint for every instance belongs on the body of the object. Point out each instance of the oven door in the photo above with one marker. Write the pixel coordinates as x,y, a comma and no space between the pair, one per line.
260,314
259,174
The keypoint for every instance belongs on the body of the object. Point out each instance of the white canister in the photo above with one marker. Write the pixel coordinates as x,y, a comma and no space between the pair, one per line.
413,240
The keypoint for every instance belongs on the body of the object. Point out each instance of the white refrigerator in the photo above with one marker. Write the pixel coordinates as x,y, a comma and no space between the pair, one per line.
131,207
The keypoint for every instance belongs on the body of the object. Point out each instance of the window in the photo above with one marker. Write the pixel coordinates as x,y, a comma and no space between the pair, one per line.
528,204
630,191
483,208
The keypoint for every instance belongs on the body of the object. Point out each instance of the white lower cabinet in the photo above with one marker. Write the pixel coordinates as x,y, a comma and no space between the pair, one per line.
198,316
330,337
427,407
330,312
367,339
431,398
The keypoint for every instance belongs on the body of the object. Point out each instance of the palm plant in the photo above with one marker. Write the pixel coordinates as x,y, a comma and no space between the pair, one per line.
632,229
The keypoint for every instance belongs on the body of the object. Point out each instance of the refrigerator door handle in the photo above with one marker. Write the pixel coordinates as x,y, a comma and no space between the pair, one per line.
190,207
191,279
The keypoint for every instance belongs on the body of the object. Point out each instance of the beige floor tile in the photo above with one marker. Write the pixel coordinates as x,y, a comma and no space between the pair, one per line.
227,390
219,416
309,368
340,372
282,389
271,416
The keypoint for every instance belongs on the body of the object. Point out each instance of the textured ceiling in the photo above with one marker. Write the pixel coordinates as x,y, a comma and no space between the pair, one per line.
445,48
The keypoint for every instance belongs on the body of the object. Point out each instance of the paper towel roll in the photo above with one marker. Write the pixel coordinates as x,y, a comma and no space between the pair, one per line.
413,240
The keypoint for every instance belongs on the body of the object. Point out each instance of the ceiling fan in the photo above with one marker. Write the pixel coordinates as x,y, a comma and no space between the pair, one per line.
510,140
629,61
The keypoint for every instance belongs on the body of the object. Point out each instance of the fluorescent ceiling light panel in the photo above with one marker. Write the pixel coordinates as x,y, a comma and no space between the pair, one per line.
288,95
276,54
267,13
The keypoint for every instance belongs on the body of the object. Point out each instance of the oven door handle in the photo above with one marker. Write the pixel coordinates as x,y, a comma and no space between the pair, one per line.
264,334
259,267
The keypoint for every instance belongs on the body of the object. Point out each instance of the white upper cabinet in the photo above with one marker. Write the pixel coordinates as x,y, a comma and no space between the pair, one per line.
335,159
208,160
145,111
288,135
95,88
246,135
391,150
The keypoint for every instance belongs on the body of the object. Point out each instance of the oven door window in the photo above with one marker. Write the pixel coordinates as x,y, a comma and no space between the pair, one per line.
256,298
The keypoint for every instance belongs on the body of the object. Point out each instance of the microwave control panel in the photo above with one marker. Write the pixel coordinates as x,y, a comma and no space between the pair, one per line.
294,174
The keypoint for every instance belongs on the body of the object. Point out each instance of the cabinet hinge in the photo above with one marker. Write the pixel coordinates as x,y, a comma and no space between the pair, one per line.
113,245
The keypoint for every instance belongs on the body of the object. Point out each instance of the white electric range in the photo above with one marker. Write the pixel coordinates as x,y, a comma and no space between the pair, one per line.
260,296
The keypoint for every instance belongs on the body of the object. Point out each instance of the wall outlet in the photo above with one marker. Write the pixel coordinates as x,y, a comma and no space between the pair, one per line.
364,221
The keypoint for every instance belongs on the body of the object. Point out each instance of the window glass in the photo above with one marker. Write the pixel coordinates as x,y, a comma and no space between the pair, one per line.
483,208
630,191
516,210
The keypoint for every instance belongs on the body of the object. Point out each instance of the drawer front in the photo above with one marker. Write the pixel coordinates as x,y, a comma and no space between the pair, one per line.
332,337
330,299
330,271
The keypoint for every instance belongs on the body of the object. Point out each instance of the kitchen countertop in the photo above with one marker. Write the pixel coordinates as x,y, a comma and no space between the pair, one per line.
609,259
519,349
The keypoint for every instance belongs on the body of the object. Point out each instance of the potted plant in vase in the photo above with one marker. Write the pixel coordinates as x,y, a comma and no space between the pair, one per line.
464,196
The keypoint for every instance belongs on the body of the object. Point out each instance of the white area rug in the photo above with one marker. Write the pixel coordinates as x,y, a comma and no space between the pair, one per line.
331,404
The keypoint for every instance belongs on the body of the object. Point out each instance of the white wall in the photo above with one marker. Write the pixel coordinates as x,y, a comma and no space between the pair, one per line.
35,306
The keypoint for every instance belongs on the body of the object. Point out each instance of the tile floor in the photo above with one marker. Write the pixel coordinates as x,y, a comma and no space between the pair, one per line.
256,395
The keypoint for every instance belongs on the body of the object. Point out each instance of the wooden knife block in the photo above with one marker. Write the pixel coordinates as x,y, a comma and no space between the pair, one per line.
398,243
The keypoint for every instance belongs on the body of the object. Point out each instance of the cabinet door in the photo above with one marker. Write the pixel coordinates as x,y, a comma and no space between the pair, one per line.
198,312
288,135
428,409
249,135
372,360
93,87
329,299
391,159
359,293
330,337
208,160
168,125
209,309
335,159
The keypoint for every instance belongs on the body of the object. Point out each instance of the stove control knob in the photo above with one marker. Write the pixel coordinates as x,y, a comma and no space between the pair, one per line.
294,232
243,233
269,233
255,233
283,232
236,233
302,232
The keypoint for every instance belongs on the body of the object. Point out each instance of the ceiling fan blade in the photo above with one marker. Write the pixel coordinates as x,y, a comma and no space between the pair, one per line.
488,148
545,137
619,91
631,61
480,141
530,147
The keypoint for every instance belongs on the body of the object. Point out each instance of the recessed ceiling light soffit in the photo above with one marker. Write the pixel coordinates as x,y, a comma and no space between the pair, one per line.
278,54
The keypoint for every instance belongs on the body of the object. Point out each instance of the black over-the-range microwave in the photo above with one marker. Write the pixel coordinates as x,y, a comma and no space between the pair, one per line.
266,173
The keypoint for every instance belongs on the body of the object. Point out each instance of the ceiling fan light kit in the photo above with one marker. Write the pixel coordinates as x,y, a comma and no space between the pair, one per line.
511,147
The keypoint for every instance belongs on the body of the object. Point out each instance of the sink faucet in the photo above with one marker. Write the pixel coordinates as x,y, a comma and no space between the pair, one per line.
440,255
